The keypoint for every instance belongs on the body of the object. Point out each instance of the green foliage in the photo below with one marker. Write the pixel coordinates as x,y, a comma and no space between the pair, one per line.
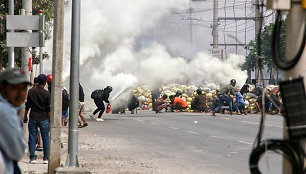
46,5
266,41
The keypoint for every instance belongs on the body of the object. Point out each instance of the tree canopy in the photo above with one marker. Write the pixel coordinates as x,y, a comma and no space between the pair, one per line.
47,6
266,41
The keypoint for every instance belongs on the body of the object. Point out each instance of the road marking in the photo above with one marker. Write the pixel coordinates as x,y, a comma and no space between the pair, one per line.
225,118
233,152
156,124
244,142
192,132
174,128
217,137
258,124
140,120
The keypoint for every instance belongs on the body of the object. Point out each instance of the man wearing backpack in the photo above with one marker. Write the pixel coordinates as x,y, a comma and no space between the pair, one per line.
100,96
65,106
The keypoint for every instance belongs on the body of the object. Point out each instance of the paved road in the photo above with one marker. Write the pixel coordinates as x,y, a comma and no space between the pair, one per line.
190,142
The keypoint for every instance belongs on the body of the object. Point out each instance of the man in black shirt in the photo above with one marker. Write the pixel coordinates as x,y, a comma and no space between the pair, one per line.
101,97
38,102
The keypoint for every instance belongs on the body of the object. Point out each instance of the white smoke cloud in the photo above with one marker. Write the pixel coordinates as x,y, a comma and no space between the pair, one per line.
109,30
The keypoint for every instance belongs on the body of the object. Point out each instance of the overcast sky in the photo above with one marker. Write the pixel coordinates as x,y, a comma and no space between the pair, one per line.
130,42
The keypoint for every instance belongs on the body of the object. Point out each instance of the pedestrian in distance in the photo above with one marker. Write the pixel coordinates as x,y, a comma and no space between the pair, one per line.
226,95
100,96
240,105
65,106
177,103
199,102
161,104
13,93
49,80
82,120
133,104
38,103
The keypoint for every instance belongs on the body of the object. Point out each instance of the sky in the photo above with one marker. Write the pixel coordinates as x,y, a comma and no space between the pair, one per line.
126,43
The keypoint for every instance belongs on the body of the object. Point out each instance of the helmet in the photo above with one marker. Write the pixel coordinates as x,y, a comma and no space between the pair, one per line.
49,78
199,91
233,82
108,88
178,93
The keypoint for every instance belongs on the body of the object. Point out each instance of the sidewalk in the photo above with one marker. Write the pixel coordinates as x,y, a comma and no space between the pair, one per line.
39,167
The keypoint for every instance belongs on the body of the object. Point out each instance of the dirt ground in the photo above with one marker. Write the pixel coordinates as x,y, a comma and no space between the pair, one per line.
100,155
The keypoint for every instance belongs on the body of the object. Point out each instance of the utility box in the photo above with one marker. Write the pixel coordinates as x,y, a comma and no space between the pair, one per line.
279,4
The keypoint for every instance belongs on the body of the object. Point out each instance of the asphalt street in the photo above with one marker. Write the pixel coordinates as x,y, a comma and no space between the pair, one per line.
191,142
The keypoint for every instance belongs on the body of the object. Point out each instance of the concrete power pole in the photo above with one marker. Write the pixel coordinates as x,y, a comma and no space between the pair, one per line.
258,25
215,25
191,27
26,52
294,35
56,86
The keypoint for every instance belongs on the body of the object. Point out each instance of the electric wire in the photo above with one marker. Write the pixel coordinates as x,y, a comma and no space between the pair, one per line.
279,60
291,150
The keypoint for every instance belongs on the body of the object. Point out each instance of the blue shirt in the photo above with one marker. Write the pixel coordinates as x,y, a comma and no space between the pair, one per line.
12,144
239,98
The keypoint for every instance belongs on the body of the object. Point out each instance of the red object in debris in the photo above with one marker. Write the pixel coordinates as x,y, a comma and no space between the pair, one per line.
30,65
108,108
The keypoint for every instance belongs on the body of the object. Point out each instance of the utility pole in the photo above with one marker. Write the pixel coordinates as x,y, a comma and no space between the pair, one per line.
258,24
294,35
11,53
74,84
26,52
56,86
215,25
190,26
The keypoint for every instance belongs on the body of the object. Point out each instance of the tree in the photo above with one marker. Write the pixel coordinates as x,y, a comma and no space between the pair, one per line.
266,41
46,5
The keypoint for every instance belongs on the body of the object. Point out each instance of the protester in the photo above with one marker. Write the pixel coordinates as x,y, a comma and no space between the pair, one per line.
199,102
155,93
245,89
276,104
49,80
160,104
82,120
13,93
38,103
100,96
133,104
177,103
226,95
65,106
178,93
239,105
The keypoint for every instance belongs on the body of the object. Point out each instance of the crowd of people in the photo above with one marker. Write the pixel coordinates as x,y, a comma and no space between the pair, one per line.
229,99
14,94
17,92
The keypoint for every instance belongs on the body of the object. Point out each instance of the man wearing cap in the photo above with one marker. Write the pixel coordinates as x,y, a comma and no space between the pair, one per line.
39,102
13,93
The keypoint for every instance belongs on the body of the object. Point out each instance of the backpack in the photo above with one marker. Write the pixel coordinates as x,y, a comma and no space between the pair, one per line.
96,94
65,99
